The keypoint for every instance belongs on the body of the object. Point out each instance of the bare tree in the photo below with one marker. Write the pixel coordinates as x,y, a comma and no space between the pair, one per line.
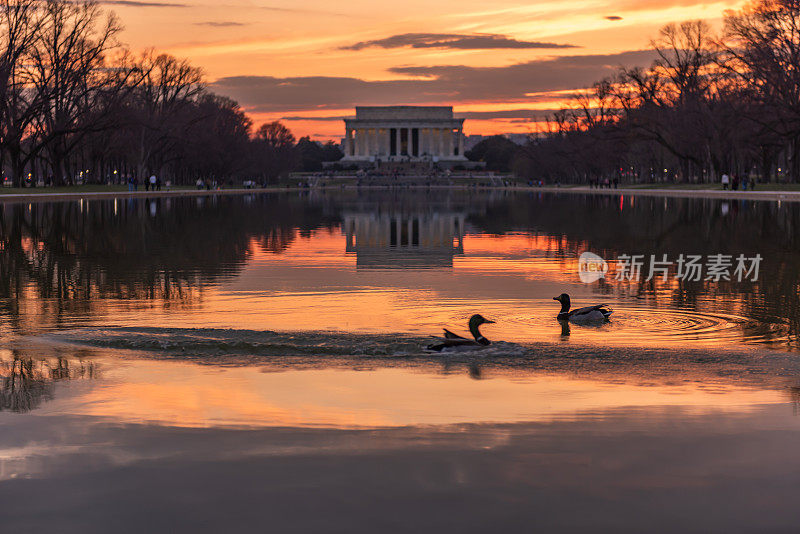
274,151
762,44
20,21
163,108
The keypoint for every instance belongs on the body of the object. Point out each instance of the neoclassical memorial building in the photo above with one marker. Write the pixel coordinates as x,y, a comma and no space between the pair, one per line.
415,134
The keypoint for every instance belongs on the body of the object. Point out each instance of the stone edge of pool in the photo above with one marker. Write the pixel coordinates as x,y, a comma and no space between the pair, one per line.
788,196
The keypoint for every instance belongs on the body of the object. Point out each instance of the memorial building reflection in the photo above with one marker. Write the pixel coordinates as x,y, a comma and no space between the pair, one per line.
404,240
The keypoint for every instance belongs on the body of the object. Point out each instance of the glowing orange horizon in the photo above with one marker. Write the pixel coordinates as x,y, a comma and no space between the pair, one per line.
311,38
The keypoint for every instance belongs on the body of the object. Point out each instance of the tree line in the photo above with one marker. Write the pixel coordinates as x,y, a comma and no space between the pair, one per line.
711,103
77,106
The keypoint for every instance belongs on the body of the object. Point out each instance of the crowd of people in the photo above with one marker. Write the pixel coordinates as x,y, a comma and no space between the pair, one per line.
150,184
733,182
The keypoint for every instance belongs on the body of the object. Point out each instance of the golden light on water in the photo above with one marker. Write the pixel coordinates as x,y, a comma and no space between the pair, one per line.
189,395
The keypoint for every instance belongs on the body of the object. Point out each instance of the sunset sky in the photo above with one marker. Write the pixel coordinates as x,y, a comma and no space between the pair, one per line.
501,64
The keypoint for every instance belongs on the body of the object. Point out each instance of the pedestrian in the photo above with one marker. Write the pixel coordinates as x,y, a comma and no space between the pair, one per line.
153,182
147,185
725,182
158,184
168,184
200,184
735,182
745,182
135,183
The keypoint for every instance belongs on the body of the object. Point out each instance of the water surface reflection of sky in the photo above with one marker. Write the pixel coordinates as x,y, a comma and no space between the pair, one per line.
227,355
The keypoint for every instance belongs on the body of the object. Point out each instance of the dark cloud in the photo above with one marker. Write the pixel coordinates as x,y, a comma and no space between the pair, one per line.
613,17
435,84
513,115
315,119
219,24
483,41
134,3
522,115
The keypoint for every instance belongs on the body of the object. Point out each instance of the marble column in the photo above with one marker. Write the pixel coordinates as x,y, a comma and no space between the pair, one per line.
449,135
364,141
371,143
461,141
397,141
348,142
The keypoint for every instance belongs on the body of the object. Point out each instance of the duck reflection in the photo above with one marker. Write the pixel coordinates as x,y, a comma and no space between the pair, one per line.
27,382
475,371
565,329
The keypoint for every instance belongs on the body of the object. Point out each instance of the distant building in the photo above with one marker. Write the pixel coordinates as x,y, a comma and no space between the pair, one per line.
407,134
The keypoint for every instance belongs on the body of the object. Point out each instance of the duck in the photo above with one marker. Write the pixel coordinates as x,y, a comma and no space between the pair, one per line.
599,313
455,342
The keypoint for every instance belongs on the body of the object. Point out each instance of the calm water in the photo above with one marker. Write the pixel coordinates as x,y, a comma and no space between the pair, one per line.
257,363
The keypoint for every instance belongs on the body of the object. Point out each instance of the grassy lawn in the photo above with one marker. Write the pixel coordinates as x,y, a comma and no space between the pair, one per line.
714,187
90,188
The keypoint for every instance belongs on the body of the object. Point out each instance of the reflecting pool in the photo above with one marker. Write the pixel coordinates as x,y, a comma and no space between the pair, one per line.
259,362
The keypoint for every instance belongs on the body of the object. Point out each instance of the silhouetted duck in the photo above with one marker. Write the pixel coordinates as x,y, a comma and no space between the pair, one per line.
455,342
590,314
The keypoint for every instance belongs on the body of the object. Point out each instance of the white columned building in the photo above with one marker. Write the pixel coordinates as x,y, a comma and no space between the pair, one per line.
379,134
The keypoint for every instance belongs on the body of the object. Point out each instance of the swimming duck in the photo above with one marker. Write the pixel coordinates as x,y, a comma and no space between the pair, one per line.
455,342
590,314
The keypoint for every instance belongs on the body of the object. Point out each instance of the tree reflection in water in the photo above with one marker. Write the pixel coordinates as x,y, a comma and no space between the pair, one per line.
61,261
28,382
611,225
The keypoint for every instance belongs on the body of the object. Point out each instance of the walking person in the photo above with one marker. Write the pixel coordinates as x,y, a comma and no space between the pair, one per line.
735,182
725,182
153,182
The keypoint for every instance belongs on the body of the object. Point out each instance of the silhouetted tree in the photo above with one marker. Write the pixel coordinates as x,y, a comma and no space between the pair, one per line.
274,151
498,152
